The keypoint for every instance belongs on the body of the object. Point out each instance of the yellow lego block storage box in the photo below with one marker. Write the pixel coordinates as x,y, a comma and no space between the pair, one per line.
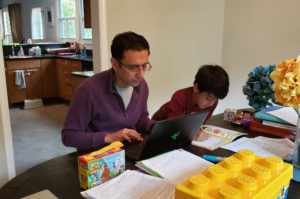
240,176
99,166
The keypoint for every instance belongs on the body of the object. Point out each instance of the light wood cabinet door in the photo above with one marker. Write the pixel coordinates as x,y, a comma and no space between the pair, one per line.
64,79
77,80
15,94
76,66
49,78
33,78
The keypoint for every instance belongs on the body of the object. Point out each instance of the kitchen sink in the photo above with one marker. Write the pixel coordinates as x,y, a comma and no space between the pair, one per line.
20,57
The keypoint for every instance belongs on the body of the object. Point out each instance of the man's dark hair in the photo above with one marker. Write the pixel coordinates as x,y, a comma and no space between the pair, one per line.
127,41
212,79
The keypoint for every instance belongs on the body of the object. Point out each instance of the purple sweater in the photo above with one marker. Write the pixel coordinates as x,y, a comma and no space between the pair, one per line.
97,109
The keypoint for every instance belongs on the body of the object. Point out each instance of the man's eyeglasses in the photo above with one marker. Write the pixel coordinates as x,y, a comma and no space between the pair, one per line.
136,68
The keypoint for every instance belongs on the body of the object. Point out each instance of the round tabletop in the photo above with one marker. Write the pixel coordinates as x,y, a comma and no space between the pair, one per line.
60,175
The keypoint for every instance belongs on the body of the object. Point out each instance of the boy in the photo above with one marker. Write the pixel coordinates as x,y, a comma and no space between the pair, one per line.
211,83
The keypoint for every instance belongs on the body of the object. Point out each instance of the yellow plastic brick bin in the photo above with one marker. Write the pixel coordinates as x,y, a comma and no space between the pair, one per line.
240,176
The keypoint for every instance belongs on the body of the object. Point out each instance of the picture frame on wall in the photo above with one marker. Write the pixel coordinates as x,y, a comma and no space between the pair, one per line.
49,16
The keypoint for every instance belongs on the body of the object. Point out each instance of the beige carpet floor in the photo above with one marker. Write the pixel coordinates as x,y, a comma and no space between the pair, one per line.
37,134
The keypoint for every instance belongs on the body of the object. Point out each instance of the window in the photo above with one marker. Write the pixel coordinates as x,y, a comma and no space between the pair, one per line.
71,21
37,30
7,29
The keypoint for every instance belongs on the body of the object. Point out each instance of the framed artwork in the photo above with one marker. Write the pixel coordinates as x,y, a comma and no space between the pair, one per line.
49,16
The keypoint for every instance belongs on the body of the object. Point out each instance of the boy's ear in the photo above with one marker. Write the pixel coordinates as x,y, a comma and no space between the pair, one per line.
196,89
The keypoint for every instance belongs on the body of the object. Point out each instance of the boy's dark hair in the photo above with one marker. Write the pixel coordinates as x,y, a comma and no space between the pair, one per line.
212,79
127,41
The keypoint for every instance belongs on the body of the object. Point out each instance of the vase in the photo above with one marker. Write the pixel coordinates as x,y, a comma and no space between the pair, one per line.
296,152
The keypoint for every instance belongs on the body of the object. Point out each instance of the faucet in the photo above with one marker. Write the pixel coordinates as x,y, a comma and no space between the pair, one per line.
12,50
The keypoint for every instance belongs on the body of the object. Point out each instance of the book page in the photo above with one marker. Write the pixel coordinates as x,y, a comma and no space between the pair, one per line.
218,137
132,184
177,166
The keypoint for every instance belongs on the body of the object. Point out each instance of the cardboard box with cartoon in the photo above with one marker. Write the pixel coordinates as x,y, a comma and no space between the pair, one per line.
100,166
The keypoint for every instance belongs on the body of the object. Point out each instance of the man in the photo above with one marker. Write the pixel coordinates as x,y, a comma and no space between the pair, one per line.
112,105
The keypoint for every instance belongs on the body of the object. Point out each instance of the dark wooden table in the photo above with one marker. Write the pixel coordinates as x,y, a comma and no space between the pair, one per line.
60,175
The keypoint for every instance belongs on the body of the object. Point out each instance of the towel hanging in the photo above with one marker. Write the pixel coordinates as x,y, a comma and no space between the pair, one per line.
20,79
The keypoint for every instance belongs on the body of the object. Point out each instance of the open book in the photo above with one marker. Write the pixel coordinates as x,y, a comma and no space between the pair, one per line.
174,166
218,137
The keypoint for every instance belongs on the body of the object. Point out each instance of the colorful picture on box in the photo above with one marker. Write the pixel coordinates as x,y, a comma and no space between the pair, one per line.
105,168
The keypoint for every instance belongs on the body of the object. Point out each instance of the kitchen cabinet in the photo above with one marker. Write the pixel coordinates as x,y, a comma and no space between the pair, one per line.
64,68
76,65
49,78
45,78
65,81
77,80
33,79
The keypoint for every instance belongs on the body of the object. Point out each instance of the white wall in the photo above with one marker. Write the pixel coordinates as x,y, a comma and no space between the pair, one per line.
4,3
182,34
26,7
257,33
50,31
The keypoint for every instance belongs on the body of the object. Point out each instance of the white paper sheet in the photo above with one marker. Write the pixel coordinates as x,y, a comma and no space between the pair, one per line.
176,166
132,185
286,113
263,146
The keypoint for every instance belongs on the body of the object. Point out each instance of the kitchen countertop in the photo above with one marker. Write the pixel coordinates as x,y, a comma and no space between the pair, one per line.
83,73
44,56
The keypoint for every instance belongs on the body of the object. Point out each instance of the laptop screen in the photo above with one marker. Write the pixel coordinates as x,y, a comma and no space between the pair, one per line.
167,135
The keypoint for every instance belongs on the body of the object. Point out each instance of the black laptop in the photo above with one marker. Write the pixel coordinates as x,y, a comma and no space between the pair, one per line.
166,135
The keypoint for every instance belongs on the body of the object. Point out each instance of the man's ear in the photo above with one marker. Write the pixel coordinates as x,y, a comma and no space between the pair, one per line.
114,63
195,88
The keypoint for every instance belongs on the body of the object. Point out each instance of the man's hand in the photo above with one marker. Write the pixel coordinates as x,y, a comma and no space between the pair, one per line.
201,135
123,134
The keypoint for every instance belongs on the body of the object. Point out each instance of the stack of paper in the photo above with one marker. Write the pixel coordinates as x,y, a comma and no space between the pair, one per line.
287,114
279,114
218,137
263,115
132,184
263,146
175,166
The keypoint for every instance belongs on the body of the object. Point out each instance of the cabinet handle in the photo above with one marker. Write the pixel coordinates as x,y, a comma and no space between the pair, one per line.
31,70
27,73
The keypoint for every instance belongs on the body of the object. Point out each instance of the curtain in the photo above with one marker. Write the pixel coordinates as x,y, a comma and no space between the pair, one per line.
14,11
1,25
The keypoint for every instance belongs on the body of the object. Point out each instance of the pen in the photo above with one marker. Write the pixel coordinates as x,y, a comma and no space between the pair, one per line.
212,158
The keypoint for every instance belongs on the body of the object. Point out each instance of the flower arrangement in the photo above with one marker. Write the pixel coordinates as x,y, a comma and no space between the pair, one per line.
287,83
258,87
287,92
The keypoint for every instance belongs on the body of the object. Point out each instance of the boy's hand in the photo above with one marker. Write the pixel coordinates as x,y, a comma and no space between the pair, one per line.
201,135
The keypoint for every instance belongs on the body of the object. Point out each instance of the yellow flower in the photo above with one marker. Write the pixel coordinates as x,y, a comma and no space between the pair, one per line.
286,85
